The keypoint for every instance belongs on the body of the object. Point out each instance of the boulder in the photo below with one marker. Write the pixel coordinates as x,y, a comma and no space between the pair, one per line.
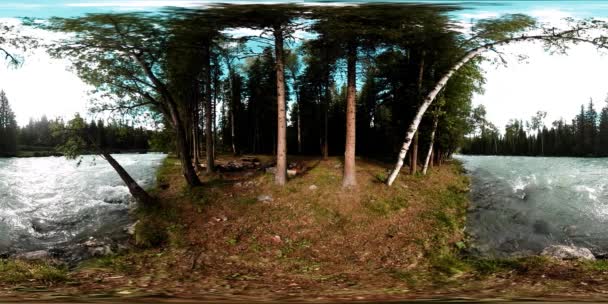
33,255
565,252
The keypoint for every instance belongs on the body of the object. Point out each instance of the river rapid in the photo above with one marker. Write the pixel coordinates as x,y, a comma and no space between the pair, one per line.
521,205
48,202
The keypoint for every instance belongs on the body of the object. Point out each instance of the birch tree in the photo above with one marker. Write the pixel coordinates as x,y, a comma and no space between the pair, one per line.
488,34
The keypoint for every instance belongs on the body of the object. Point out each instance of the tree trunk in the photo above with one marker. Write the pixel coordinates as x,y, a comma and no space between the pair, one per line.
428,161
169,107
432,162
430,97
208,111
195,132
216,86
299,129
281,173
184,155
542,144
138,192
232,131
350,177
327,99
414,156
299,117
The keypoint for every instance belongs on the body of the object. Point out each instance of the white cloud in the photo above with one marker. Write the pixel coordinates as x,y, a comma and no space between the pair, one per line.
138,4
478,15
553,17
558,84
242,32
42,85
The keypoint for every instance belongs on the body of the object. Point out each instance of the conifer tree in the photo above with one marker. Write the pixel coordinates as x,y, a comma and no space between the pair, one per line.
8,127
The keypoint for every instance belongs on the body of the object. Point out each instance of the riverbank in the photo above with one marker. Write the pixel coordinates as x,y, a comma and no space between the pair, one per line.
241,237
49,151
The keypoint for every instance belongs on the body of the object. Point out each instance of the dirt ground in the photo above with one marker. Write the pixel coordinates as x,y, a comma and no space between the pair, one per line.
240,238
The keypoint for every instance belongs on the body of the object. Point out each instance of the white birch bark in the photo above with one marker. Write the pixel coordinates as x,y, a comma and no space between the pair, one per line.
430,97
430,152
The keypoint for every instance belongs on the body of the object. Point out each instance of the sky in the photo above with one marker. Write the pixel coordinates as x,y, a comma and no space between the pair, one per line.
556,84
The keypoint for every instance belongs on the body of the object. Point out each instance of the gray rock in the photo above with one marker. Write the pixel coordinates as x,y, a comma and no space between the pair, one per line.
131,228
292,172
264,198
33,255
97,248
99,251
313,187
565,252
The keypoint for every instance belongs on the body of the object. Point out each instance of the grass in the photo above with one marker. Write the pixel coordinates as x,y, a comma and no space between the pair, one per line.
116,263
17,271
385,206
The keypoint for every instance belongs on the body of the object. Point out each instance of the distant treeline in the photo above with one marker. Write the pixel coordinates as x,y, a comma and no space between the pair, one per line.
43,136
585,135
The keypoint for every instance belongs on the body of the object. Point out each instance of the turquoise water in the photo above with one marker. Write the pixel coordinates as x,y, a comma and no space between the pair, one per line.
45,201
520,205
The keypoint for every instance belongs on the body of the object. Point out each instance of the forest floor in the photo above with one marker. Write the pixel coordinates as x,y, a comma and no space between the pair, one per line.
241,238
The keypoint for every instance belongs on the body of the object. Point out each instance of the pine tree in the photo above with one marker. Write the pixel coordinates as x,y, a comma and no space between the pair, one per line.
603,132
8,127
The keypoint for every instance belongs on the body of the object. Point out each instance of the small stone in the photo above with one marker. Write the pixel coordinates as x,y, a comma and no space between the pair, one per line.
264,198
220,219
277,239
291,172
313,187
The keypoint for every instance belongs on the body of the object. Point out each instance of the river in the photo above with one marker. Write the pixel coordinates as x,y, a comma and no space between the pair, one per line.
520,205
51,201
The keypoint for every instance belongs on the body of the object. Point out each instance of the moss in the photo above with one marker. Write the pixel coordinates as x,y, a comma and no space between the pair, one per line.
445,220
150,232
246,200
405,276
15,271
449,264
533,264
175,235
116,263
599,265
384,206
485,266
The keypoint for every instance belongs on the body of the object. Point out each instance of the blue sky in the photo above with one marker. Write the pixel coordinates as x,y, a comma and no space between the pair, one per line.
556,84
67,8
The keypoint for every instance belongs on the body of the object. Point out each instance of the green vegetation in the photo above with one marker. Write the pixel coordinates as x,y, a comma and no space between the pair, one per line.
587,135
17,272
334,225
